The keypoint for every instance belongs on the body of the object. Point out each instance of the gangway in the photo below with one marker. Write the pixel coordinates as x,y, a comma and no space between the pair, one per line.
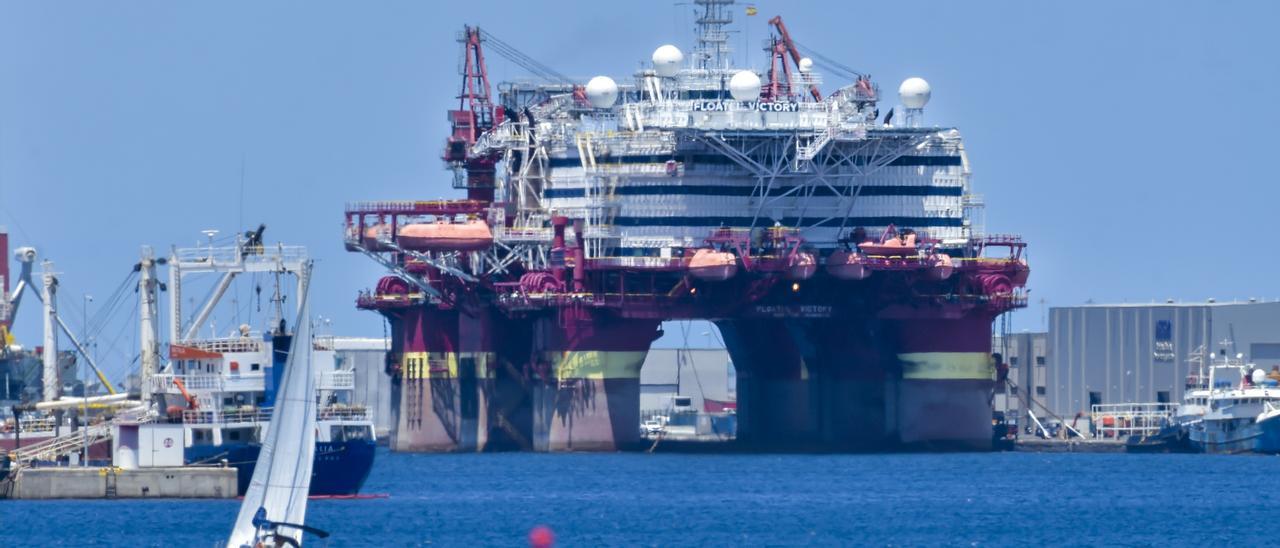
55,448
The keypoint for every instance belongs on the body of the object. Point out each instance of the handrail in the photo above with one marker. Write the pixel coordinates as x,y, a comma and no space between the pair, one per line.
1116,420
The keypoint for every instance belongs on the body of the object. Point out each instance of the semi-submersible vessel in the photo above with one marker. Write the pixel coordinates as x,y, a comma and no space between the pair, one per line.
835,247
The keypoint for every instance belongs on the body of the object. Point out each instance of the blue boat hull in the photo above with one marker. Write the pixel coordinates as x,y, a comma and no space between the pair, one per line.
1268,437
340,468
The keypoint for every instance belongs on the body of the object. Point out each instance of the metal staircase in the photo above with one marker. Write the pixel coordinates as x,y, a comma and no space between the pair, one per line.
54,448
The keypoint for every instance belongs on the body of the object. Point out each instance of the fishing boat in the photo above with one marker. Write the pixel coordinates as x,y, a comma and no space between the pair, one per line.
274,509
1238,394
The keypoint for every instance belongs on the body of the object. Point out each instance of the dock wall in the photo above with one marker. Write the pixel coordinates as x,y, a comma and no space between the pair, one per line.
96,483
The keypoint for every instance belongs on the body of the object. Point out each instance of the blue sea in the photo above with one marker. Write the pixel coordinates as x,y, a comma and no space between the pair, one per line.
996,499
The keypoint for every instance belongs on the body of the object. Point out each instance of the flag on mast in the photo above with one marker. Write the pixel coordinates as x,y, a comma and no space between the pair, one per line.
751,10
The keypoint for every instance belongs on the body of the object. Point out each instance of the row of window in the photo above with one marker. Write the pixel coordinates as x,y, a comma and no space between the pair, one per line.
190,366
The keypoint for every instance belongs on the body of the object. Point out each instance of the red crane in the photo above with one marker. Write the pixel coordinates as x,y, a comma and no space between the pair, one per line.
475,115
781,46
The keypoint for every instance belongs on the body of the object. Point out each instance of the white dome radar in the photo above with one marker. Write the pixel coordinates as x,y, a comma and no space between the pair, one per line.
806,65
667,60
914,92
745,86
602,92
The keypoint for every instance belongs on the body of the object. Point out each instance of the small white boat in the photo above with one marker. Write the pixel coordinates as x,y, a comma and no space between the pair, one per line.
275,506
1237,394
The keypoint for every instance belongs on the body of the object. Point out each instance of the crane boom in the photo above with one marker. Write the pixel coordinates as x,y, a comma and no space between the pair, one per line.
476,112
791,48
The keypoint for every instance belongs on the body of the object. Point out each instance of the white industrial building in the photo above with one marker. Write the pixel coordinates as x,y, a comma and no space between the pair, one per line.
1130,353
368,358
700,373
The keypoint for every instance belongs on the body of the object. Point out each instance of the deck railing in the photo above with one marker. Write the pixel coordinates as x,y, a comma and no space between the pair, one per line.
1121,420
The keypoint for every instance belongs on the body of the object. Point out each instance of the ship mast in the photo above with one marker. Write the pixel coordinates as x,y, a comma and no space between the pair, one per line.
148,333
52,380
713,49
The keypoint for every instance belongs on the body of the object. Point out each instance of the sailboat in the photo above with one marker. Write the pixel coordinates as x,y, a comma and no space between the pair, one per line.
275,505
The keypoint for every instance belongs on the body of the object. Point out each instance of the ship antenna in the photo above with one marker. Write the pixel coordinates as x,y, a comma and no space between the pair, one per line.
713,41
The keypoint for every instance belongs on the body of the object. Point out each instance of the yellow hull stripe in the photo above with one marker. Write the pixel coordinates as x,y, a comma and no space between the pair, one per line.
947,365
443,365
596,364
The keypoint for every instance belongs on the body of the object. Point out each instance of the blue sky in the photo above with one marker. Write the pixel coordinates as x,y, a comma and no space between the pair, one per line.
1129,142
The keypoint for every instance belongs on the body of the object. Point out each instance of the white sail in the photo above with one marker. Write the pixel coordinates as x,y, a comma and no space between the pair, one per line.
282,476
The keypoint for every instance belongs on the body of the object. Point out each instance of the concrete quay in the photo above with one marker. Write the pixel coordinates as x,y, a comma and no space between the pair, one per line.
99,483
1041,445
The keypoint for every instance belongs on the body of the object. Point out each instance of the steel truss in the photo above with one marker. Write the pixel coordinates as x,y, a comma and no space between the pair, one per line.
812,162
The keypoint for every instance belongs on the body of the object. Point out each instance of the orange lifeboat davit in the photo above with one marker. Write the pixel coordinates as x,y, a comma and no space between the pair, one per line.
368,239
802,266
940,267
472,235
847,265
712,265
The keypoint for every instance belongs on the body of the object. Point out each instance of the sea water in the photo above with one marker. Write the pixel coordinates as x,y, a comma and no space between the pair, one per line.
975,499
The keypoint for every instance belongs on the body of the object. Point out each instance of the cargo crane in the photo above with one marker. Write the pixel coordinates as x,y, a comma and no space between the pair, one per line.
780,85
477,114
862,91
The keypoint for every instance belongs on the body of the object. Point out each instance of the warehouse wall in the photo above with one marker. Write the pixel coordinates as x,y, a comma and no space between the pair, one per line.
373,386
1143,353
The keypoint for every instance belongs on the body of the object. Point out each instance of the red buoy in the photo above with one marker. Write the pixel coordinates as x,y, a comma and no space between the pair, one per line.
541,537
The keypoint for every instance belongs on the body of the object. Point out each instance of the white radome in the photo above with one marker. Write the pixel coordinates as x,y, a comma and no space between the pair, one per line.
667,60
806,65
1259,376
745,86
602,92
914,92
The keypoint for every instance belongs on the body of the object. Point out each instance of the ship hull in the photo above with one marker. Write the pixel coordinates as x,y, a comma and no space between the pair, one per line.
340,468
1268,440
1215,437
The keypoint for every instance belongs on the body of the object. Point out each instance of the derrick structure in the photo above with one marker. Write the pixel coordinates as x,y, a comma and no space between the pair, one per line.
836,254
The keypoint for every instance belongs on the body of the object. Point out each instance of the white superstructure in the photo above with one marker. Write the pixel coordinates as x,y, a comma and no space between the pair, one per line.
692,144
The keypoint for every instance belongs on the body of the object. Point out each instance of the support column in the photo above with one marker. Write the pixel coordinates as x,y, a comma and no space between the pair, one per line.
439,396
849,367
777,406
944,400
586,388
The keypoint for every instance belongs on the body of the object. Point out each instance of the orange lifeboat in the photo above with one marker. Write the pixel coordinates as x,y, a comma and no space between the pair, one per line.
472,235
712,265
802,266
892,247
1023,272
847,265
940,267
